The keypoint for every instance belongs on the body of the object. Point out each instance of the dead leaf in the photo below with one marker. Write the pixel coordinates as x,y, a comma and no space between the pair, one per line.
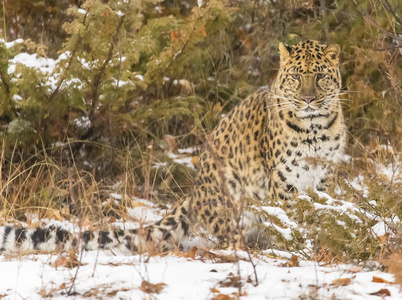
293,262
91,293
217,107
68,261
135,204
174,35
355,269
231,281
246,41
383,238
215,290
341,281
203,32
237,295
45,294
191,253
381,280
195,160
382,293
170,141
219,257
394,264
114,292
150,288
87,224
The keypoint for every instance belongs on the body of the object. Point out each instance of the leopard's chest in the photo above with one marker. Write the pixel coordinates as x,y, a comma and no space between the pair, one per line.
309,157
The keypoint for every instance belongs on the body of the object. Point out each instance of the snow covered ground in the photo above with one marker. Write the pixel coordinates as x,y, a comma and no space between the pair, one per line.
180,275
107,276
205,274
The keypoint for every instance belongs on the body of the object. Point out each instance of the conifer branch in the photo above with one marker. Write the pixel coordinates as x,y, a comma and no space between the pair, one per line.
98,77
8,92
69,63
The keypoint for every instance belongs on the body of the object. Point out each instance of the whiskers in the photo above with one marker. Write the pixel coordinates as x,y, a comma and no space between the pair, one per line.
283,106
333,100
280,106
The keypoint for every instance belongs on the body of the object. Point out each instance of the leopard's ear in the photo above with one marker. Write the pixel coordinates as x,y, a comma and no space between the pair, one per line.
332,53
284,53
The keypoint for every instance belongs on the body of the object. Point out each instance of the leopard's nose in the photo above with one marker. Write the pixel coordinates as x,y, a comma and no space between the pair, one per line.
308,100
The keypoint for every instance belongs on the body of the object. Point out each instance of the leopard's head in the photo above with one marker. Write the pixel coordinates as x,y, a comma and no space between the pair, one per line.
309,80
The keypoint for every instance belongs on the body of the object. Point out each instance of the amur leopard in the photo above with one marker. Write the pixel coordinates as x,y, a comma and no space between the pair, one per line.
263,148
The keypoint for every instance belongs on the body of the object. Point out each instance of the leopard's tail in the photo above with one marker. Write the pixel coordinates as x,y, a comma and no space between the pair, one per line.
54,238
164,234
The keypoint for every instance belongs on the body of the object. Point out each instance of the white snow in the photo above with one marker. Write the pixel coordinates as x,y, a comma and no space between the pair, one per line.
45,65
280,214
181,160
82,122
106,275
286,232
380,228
116,275
11,44
139,77
190,150
116,196
17,98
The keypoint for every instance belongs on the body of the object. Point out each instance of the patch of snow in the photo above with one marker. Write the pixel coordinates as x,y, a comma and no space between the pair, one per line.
121,83
120,276
158,165
180,82
143,201
380,228
82,122
280,214
286,232
181,160
188,150
140,77
45,65
116,196
12,43
17,98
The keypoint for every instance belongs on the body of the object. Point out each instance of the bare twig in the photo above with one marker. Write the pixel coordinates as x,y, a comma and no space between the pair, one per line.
5,20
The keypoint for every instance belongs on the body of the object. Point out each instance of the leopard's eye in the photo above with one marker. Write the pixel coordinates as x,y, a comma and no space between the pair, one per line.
321,76
295,76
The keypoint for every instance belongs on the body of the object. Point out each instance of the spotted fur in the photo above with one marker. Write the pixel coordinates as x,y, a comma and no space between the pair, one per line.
266,147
